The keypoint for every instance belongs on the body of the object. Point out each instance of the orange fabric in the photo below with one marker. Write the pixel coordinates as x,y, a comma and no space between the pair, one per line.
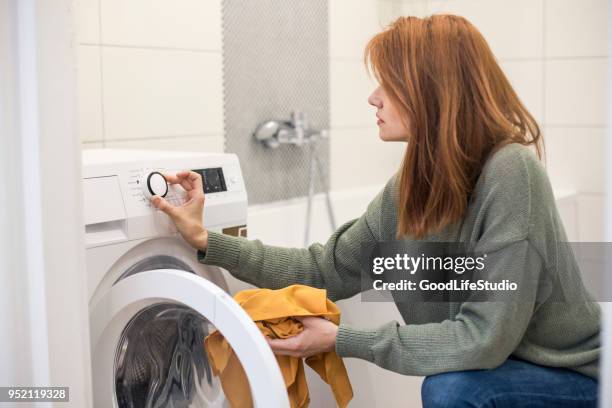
273,312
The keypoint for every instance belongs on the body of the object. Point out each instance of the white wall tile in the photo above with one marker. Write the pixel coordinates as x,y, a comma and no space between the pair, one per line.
568,211
575,92
359,158
350,87
416,8
390,10
92,145
351,25
575,158
513,29
89,98
576,28
204,143
158,93
527,79
88,21
591,217
183,24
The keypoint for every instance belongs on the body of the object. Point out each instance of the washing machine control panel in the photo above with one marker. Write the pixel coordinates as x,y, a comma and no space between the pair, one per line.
126,181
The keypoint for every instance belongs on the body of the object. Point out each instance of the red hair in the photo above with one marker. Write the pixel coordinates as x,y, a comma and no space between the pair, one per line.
458,106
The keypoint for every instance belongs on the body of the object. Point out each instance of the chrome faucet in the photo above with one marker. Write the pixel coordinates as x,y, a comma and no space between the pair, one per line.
297,131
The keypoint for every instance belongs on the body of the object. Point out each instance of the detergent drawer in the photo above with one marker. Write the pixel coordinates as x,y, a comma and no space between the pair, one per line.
105,223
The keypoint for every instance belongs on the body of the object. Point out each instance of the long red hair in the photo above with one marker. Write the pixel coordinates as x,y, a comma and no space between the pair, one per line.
459,107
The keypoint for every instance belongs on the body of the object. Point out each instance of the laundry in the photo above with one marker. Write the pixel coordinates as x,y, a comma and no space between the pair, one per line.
274,312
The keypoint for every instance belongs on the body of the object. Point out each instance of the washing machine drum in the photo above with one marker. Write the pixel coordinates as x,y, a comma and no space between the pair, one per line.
160,362
148,335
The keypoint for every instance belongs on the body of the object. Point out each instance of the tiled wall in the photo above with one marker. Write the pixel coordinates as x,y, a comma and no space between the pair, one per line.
150,74
276,61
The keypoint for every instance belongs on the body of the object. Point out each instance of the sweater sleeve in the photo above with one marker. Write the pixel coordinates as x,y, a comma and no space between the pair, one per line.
334,266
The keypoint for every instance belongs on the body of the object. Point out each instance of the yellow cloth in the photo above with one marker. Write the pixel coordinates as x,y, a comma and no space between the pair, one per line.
273,312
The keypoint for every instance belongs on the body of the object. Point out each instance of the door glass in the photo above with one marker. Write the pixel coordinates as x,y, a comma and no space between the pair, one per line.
160,359
156,262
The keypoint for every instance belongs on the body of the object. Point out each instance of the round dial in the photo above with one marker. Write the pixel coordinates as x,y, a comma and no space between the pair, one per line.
155,184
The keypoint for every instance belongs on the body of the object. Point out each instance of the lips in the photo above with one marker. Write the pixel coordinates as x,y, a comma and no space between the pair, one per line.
379,120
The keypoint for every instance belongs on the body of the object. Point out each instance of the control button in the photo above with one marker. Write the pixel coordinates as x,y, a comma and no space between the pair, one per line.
233,179
155,184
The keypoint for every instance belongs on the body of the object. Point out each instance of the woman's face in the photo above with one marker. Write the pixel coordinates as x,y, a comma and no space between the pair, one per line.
390,126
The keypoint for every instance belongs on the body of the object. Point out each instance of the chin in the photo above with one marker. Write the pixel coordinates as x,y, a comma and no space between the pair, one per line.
382,135
385,137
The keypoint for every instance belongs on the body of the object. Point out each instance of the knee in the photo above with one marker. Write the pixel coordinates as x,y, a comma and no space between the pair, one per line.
448,390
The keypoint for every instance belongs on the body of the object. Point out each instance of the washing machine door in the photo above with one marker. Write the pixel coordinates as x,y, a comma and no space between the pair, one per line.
147,336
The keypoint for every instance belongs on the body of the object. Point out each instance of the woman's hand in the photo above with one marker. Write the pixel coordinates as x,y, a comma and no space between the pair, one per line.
318,336
188,218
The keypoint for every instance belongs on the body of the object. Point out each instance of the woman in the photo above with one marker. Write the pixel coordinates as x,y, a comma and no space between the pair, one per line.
469,175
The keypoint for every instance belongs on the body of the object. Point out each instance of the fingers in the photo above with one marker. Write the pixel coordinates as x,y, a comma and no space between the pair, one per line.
309,321
161,204
189,180
194,179
175,179
291,346
171,178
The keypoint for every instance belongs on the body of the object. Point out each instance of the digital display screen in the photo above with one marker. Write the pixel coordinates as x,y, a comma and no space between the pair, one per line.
214,181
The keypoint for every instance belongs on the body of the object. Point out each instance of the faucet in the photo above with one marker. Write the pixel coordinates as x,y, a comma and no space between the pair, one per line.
297,131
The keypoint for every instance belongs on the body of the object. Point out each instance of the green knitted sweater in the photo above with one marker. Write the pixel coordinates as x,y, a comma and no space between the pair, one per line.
512,202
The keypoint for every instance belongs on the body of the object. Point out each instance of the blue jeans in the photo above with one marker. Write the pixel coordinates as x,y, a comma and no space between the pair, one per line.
515,384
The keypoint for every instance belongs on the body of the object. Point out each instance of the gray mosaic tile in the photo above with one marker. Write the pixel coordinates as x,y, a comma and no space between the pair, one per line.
275,61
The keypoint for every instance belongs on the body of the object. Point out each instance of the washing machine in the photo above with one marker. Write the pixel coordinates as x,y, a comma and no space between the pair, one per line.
151,304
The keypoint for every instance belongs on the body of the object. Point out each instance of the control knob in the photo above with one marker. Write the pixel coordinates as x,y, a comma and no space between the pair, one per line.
154,184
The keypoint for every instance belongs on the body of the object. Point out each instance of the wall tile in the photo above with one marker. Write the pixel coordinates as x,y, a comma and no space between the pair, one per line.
351,25
568,211
161,23
527,79
158,93
92,145
275,61
350,87
89,109
204,143
88,21
574,92
513,29
390,10
359,158
591,212
576,28
576,158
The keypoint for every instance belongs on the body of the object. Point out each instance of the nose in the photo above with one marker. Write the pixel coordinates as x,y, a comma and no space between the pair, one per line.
374,99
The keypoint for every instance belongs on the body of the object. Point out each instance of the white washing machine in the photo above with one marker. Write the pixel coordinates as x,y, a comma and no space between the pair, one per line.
151,303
